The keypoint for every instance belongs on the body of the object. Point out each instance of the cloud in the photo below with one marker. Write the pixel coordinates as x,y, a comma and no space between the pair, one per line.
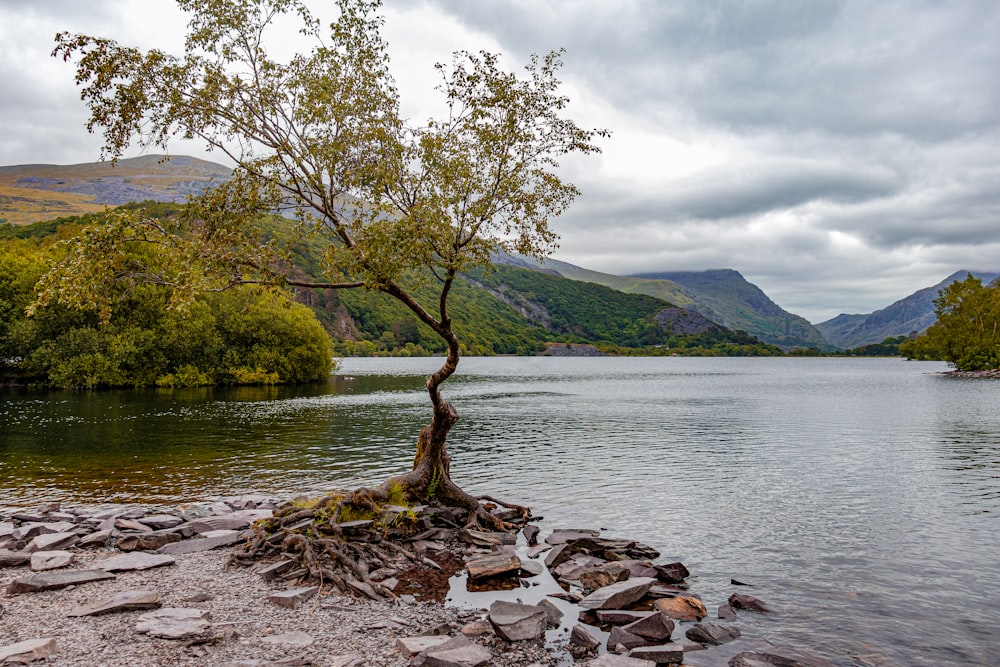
839,153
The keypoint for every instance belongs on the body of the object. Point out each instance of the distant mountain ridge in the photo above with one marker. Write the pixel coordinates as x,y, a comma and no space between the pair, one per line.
723,296
913,313
36,192
726,297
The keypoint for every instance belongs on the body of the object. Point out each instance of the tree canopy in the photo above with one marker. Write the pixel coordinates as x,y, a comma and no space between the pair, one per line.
320,137
967,331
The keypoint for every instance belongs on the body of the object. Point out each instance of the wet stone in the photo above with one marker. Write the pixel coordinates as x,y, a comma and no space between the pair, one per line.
493,564
726,612
655,627
621,616
778,657
712,633
563,536
582,637
619,637
682,608
594,578
127,601
748,602
673,573
671,653
518,622
618,596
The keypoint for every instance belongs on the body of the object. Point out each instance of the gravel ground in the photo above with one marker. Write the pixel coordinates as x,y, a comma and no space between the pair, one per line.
245,626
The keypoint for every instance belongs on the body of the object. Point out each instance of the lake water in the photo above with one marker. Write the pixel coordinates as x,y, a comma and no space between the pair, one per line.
860,497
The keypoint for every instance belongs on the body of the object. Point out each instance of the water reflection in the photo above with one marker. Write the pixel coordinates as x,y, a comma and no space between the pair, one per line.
859,495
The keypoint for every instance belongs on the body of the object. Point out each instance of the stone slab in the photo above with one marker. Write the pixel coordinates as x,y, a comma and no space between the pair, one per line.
293,597
619,595
135,560
201,543
175,623
27,651
50,560
411,646
126,601
46,581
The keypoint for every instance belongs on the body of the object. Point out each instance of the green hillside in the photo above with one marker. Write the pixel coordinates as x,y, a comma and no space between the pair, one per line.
506,310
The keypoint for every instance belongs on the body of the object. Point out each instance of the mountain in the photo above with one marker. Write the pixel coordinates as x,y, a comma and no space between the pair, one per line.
726,297
723,296
37,192
911,314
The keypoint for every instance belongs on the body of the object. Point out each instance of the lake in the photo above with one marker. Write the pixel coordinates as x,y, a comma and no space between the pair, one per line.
860,497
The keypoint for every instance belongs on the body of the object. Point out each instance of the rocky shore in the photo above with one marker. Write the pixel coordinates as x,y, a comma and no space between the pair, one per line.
137,586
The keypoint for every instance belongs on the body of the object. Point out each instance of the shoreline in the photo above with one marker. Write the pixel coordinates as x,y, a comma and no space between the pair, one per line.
258,617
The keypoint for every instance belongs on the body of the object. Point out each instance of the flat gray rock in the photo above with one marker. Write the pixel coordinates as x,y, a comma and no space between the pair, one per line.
220,539
27,651
161,521
50,560
712,633
10,558
97,538
136,560
227,522
127,601
612,660
51,542
655,627
411,646
457,652
493,564
663,654
46,581
293,597
175,623
619,595
518,622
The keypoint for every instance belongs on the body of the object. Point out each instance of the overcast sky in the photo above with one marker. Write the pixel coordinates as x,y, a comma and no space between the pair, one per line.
840,155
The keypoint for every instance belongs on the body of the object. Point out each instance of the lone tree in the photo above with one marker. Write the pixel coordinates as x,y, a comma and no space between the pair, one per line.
320,137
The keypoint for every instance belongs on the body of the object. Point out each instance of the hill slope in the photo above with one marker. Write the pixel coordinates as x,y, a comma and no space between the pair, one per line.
911,314
723,296
36,192
726,297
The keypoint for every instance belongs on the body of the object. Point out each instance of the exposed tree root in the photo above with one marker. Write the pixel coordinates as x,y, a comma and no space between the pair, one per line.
357,542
